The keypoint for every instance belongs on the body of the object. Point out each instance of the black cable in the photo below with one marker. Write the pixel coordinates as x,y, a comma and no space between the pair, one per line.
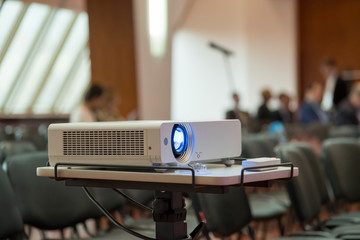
112,219
132,200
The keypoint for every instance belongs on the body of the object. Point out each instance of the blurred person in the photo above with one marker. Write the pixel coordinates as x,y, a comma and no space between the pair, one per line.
310,110
284,113
336,89
236,113
86,112
264,114
349,109
109,110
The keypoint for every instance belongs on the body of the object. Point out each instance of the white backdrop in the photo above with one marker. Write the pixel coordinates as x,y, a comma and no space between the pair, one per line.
190,81
262,34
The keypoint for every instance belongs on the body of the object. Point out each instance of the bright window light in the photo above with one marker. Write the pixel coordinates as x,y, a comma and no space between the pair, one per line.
45,69
73,92
26,91
20,46
76,41
8,15
157,20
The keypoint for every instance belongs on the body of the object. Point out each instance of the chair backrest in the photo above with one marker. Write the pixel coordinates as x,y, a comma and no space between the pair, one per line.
344,132
302,189
145,197
44,202
225,213
317,169
258,146
11,223
341,158
9,148
270,142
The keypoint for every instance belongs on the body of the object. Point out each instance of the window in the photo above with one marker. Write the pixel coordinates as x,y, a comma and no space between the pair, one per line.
8,16
64,66
44,56
20,47
73,90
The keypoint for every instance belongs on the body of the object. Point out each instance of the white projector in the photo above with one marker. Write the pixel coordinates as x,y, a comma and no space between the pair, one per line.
147,143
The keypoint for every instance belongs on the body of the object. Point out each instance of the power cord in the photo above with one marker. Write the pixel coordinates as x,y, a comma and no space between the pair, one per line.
112,219
132,200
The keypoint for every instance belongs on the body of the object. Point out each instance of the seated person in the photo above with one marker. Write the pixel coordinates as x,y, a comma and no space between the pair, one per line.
109,111
284,114
236,113
264,114
349,109
310,110
86,112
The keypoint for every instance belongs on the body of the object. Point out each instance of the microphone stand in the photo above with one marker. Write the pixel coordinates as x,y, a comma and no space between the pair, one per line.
226,59
228,70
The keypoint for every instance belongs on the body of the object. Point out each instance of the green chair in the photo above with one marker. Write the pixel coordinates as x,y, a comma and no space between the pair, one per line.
11,224
225,214
9,148
306,200
341,160
342,164
43,202
272,205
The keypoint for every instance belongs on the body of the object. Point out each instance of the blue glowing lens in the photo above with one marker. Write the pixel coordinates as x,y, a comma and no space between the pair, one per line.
179,140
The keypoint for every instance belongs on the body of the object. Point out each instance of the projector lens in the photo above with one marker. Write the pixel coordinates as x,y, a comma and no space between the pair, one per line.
179,140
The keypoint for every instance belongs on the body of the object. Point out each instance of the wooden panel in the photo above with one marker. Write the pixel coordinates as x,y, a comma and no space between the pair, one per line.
112,49
327,29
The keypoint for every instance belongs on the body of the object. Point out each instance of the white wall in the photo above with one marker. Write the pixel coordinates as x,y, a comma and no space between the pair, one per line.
189,82
200,87
262,34
154,74
271,45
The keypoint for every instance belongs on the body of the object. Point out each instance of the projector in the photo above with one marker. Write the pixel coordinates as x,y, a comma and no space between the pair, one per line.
144,143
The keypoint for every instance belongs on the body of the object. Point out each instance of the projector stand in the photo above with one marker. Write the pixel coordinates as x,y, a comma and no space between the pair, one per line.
169,215
169,211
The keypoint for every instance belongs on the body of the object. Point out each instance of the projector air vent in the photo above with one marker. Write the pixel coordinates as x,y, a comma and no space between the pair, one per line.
100,143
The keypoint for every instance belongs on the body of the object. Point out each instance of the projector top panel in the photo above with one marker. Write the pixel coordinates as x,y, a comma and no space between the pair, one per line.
106,125
120,124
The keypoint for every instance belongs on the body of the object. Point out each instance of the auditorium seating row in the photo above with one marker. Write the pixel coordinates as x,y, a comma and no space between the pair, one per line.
330,181
48,205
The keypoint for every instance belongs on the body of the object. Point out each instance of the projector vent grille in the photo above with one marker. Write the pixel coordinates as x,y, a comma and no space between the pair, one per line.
100,143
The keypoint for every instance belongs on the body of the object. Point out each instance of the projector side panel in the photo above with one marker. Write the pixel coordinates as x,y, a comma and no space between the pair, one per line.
213,140
55,144
119,145
153,146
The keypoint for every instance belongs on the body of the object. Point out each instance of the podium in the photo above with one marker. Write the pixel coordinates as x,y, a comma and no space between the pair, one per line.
169,183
